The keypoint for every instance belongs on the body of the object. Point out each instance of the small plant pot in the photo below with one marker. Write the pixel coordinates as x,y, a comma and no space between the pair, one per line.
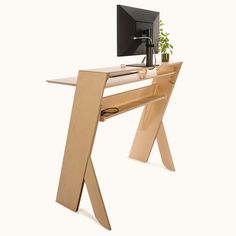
165,57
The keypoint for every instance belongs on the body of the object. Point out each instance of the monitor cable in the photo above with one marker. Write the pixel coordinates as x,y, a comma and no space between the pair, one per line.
109,111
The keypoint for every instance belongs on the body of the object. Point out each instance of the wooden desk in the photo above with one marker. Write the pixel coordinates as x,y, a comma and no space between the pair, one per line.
77,167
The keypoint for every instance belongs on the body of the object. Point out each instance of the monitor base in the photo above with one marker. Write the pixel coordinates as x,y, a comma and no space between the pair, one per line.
141,65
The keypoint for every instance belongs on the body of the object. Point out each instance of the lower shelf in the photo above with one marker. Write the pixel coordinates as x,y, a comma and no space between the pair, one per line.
119,109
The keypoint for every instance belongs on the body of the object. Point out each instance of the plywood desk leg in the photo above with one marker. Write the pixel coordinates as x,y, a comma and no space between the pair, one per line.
96,196
82,129
147,131
164,148
150,125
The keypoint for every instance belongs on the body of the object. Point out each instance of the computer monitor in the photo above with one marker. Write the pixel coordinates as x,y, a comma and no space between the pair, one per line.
137,33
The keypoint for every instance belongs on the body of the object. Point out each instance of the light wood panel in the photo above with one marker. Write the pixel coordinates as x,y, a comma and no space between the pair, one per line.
111,71
64,81
164,148
117,80
132,105
96,196
83,124
128,96
152,116
131,99
117,76
147,130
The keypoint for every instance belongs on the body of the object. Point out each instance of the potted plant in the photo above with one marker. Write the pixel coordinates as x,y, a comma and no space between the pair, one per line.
165,48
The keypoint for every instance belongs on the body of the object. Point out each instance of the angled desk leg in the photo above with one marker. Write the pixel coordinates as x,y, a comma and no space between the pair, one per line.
77,165
96,196
147,131
151,126
164,148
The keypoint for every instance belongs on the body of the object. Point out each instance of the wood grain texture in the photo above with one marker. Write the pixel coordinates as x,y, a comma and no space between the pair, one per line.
96,196
153,114
129,100
119,76
77,167
83,124
164,148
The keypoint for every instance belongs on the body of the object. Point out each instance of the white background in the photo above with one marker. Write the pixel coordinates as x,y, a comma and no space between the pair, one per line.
42,40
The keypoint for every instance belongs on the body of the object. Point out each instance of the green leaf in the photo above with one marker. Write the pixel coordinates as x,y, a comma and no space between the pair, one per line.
164,41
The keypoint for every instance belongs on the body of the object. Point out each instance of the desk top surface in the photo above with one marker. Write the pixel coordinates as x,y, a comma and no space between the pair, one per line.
119,69
119,75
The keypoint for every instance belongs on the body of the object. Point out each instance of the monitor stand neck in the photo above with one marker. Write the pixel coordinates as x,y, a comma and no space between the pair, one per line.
149,50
